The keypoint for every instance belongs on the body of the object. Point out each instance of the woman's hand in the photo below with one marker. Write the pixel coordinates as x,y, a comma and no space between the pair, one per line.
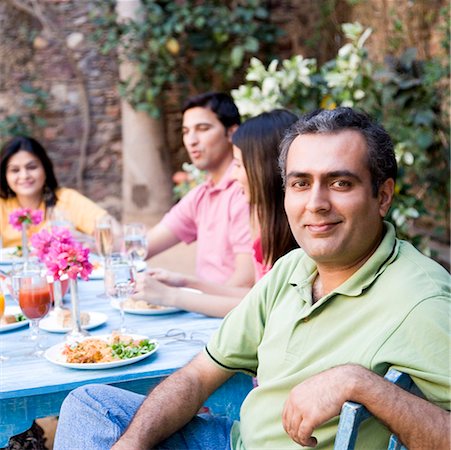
153,291
169,278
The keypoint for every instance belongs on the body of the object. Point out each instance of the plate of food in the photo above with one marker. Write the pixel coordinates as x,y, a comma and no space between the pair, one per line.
12,319
141,307
61,321
102,352
10,254
98,272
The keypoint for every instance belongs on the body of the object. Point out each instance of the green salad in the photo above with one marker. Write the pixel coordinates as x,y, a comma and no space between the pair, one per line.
127,350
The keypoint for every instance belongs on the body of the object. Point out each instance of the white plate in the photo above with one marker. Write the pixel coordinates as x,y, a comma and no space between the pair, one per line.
99,272
12,326
145,311
49,323
7,256
55,355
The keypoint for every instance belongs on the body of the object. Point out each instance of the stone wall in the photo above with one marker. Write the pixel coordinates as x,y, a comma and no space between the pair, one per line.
59,57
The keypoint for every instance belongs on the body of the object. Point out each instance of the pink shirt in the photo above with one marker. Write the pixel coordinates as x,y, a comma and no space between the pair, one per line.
217,216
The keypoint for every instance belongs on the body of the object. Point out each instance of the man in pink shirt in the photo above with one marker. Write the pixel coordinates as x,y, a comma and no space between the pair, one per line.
215,213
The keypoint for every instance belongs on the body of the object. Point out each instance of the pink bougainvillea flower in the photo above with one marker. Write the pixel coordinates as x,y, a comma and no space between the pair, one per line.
25,215
62,254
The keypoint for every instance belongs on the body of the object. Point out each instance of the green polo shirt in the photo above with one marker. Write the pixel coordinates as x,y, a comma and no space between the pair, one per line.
393,312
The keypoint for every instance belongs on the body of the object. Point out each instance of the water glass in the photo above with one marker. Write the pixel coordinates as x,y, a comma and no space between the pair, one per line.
120,282
135,241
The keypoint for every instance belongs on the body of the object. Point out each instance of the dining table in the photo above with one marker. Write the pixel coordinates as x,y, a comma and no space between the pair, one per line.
33,387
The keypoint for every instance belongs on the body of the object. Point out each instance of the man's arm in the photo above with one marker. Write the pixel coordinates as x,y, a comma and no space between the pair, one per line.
419,424
159,239
244,273
172,404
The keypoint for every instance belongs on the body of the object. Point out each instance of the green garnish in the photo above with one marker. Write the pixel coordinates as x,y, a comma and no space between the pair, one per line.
127,350
20,317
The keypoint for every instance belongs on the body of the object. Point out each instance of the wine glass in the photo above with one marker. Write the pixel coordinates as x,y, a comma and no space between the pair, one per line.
135,241
34,301
104,241
120,281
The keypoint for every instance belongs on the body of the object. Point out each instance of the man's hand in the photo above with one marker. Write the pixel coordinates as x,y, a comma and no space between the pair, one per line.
314,402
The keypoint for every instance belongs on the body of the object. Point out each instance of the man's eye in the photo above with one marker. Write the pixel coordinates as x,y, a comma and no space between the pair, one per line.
341,184
299,184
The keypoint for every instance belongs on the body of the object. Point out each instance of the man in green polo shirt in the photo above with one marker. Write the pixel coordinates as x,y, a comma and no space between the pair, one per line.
321,328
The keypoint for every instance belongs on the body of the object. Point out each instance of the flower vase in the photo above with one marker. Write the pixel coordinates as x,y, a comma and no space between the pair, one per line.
25,243
57,297
76,332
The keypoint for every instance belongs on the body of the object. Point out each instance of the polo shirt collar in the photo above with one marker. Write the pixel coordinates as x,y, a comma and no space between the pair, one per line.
306,270
224,182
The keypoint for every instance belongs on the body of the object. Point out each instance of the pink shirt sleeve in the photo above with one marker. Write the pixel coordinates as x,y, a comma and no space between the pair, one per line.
217,217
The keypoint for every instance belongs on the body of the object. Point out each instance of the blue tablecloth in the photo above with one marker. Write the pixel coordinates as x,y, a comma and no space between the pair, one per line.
31,388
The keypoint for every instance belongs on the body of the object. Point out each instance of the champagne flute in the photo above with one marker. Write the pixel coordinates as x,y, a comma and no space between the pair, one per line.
34,301
120,282
135,241
104,241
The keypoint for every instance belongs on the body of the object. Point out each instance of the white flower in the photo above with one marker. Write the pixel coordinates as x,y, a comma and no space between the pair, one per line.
359,94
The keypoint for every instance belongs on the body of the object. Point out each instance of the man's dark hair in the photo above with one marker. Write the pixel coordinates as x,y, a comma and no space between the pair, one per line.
381,156
220,103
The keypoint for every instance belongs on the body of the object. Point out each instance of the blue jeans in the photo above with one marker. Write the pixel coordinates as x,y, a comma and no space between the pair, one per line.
95,416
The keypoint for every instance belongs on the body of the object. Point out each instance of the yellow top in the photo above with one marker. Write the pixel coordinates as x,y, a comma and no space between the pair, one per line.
71,206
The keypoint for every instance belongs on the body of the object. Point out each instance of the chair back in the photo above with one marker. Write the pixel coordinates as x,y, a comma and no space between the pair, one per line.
353,414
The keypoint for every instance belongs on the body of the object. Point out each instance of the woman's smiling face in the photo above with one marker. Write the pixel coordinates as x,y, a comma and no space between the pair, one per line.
25,174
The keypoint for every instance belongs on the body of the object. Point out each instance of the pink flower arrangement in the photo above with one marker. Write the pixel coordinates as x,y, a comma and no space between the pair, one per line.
25,215
62,254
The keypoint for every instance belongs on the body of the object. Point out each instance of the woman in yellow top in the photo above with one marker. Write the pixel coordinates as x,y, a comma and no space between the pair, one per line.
27,180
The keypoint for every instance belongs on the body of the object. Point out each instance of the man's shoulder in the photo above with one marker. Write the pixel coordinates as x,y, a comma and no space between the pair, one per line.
416,274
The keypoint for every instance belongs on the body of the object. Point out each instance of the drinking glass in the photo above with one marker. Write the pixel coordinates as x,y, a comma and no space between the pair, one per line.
135,241
34,301
120,281
104,241
2,311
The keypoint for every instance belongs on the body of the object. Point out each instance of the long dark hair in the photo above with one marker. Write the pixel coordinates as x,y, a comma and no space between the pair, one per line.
258,139
32,146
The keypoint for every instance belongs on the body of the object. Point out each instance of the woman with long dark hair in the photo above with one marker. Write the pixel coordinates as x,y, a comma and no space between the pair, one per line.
27,180
256,153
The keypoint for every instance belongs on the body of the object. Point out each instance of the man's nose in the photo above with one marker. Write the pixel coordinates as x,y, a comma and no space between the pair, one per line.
318,199
190,138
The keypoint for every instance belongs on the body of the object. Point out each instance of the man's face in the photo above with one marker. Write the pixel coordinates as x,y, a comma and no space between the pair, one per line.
206,139
329,203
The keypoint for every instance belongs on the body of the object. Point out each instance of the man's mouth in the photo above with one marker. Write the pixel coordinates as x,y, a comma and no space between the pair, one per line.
321,227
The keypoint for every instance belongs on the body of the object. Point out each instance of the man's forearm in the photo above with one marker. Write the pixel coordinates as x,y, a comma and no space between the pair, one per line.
172,404
167,408
418,423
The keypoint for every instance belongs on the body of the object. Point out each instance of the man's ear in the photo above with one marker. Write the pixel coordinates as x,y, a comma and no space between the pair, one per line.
231,130
385,196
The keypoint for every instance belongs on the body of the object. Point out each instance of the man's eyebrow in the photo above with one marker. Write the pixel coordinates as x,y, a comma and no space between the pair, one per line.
199,124
295,174
333,174
343,173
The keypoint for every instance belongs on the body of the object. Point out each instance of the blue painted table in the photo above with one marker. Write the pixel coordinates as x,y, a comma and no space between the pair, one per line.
33,388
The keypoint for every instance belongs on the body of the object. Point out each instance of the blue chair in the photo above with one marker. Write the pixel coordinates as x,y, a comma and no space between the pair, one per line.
353,414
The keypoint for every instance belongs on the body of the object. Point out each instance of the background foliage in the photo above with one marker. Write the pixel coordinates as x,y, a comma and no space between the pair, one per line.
199,45
403,94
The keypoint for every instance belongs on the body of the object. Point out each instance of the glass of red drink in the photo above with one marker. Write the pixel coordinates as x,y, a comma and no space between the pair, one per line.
34,300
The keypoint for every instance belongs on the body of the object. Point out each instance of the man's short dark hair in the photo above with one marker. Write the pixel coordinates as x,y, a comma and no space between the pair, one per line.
381,156
220,103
